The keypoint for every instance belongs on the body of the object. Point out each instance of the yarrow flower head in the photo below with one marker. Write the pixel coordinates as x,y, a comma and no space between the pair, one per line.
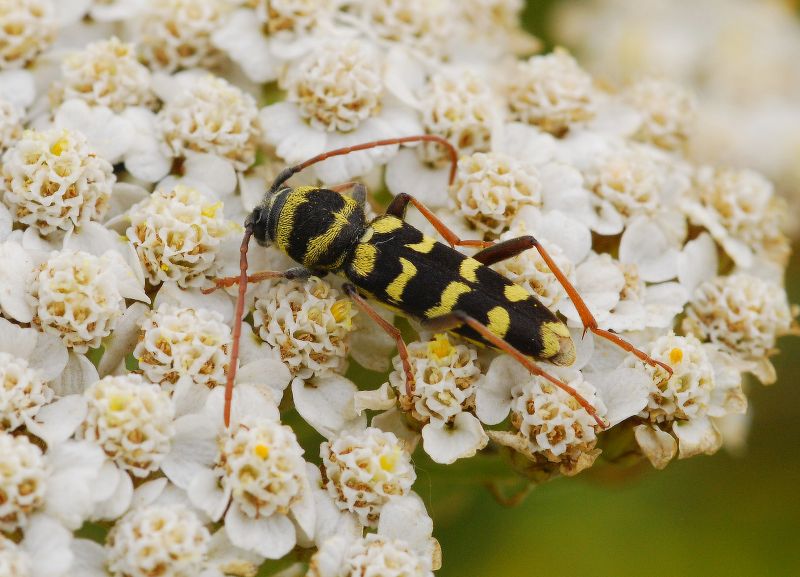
22,392
77,298
667,112
551,92
744,315
54,182
363,471
177,234
176,342
22,481
10,124
491,188
460,107
176,34
210,115
29,27
131,420
338,86
105,73
168,540
415,24
306,324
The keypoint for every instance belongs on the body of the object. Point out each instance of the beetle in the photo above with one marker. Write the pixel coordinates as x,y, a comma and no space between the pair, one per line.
389,260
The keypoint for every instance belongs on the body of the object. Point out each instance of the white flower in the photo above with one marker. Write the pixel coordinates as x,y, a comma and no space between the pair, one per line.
28,28
261,41
209,115
491,188
363,471
551,92
177,34
419,25
444,391
402,546
43,552
77,297
176,342
105,73
54,181
744,315
13,560
22,392
166,539
10,124
132,420
306,323
668,113
177,235
739,209
336,97
22,481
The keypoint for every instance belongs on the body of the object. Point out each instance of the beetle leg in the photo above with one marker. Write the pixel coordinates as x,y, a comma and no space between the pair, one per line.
298,272
515,246
456,319
391,330
398,207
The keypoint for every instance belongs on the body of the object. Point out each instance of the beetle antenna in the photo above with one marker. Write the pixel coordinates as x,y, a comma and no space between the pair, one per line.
287,173
237,322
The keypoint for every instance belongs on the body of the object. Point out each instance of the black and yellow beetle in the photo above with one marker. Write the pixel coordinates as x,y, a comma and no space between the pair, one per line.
394,263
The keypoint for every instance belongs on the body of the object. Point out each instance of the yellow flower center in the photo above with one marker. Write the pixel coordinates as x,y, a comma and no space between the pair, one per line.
389,460
210,210
60,146
261,451
439,347
676,356
341,310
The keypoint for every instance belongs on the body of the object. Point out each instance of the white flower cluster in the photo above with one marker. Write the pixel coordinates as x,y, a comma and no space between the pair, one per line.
123,187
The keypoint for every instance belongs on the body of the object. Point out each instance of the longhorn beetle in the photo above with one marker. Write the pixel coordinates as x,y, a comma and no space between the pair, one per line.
391,261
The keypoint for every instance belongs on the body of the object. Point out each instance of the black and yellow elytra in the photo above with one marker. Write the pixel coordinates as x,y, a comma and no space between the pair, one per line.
394,263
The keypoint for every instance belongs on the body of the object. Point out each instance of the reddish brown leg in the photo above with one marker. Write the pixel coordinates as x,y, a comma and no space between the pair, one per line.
457,318
515,246
287,173
398,208
391,330
243,280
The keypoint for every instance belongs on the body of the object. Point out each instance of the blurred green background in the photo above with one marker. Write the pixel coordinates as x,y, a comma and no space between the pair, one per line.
719,515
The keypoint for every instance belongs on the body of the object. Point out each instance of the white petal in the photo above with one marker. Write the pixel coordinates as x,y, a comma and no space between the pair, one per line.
273,537
50,356
89,560
47,544
658,446
108,134
6,222
78,374
294,140
304,514
123,339
404,77
624,392
570,234
16,340
71,11
211,170
147,157
645,245
242,39
407,173
17,87
16,266
123,196
370,346
343,168
524,142
75,467
406,519
265,372
330,520
394,421
206,494
380,399
448,444
146,493
248,400
326,403
193,449
493,397
56,422
696,437
697,262
116,504
218,301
